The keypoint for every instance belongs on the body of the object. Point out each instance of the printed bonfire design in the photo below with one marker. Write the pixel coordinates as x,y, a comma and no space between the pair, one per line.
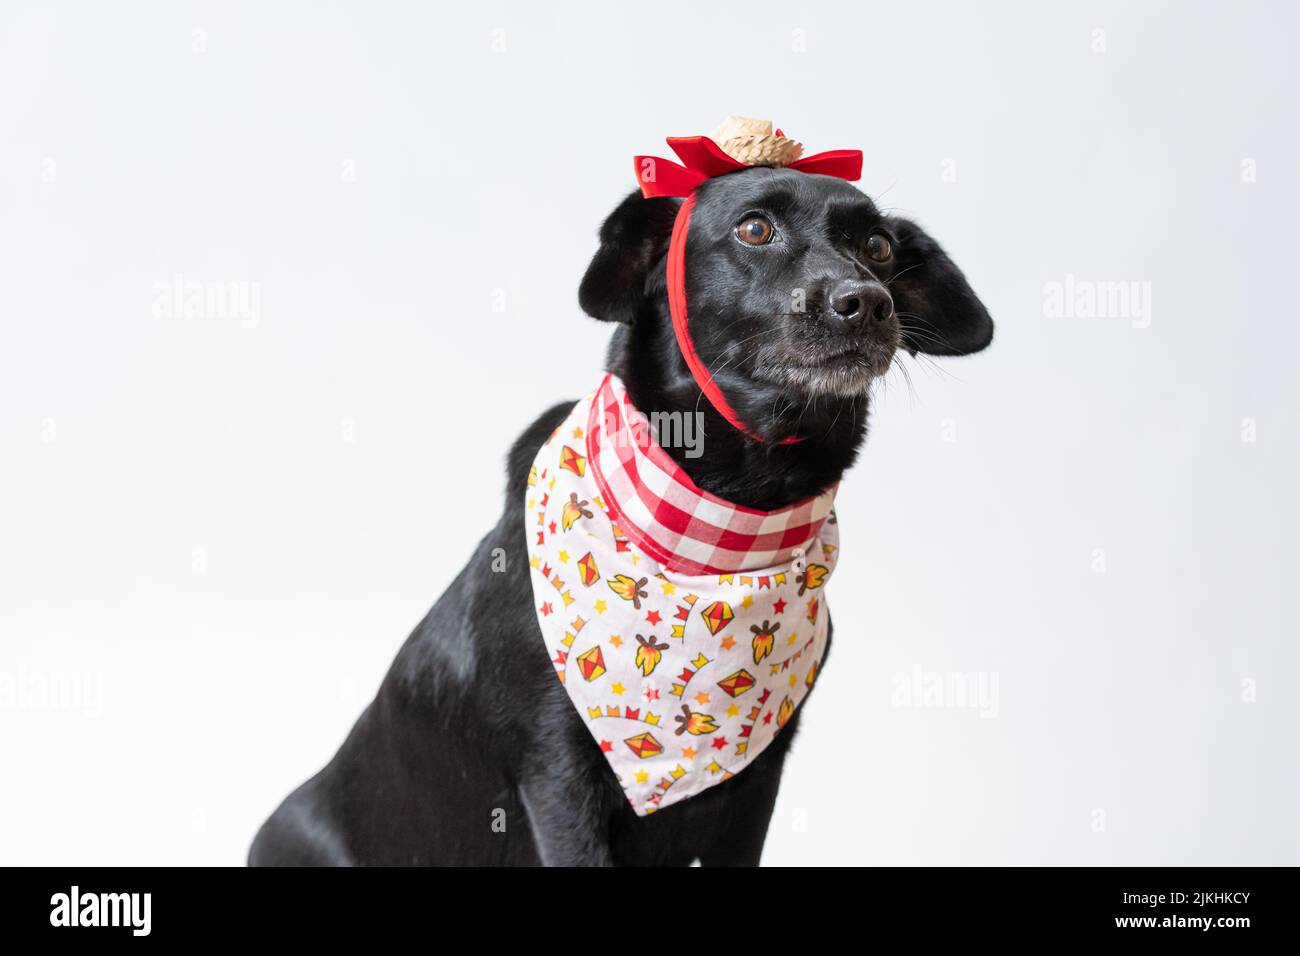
681,679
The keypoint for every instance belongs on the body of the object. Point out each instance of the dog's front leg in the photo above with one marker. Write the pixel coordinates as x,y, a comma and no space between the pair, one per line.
750,802
569,815
567,788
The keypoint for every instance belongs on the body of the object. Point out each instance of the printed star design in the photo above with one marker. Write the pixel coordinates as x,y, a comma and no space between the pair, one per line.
747,601
767,718
728,642
606,746
563,556
636,559
701,698
615,640
577,432
793,680
618,689
642,776
600,606
668,587
793,637
688,753
732,711
719,743
551,527
778,607
653,617
535,561
546,608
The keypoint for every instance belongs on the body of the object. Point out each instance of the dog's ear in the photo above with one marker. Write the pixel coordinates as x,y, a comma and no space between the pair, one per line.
632,240
937,309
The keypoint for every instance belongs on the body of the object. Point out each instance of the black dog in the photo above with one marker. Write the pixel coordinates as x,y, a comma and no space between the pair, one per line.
801,292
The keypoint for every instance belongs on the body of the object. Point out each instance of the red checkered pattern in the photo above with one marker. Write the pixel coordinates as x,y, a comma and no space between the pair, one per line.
661,510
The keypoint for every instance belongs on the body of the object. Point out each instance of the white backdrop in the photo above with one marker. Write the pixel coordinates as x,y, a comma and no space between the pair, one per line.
220,519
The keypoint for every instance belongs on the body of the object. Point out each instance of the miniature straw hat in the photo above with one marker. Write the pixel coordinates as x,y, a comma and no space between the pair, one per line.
753,142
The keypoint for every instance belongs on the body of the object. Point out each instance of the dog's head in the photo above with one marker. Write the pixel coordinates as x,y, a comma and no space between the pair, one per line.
794,281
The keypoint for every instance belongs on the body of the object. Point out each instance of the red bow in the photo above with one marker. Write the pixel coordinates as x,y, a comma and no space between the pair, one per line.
704,160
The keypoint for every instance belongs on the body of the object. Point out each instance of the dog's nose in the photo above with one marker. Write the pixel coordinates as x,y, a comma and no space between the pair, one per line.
857,304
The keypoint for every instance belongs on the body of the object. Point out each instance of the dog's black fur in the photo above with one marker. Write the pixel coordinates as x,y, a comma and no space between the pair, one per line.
444,752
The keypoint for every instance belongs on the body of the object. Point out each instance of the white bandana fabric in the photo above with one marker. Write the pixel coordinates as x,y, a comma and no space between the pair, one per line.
685,629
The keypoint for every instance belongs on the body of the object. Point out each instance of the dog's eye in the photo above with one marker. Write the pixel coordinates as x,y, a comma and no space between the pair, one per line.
879,248
756,231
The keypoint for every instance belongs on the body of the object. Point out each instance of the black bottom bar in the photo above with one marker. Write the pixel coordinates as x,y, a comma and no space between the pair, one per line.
1173,905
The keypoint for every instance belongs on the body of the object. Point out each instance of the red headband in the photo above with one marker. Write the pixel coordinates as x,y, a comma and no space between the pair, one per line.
704,159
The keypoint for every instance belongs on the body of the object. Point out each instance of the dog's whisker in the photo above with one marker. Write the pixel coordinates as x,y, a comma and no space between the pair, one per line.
922,335
902,272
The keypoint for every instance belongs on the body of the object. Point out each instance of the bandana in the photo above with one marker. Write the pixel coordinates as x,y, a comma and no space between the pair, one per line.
685,629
